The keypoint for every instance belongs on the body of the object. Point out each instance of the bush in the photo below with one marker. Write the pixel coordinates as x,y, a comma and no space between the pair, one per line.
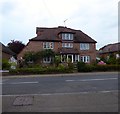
107,68
71,66
40,70
81,66
5,64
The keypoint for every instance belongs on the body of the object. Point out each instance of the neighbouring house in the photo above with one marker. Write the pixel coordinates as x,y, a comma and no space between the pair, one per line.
6,52
69,43
110,49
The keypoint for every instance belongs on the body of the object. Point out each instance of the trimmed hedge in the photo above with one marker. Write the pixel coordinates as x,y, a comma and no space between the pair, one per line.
107,68
82,67
48,70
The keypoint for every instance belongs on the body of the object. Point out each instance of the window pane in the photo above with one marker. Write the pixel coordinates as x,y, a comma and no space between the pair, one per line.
48,45
67,36
84,46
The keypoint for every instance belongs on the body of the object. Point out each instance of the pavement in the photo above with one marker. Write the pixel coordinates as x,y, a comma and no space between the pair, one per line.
80,102
65,74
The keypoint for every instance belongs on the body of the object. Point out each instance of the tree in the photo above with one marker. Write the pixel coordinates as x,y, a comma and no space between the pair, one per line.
16,46
47,53
57,60
37,56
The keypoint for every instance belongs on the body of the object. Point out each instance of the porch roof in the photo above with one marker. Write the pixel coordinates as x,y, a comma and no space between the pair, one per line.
68,51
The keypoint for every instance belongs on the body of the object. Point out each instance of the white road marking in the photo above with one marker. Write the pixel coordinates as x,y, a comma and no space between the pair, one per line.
22,83
50,94
91,80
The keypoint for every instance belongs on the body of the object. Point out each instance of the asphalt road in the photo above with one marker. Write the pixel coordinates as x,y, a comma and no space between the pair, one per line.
61,84
89,92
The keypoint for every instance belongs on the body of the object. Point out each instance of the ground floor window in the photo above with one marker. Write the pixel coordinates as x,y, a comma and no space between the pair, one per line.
85,59
47,60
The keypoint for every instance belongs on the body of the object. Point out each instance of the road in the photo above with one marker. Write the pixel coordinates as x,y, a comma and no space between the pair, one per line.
74,92
67,84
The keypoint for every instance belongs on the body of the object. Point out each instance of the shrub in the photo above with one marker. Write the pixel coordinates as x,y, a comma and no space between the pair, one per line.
57,60
5,64
107,68
89,68
40,70
81,66
71,66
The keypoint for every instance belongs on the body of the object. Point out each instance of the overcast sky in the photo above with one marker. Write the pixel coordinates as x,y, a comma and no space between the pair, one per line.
96,18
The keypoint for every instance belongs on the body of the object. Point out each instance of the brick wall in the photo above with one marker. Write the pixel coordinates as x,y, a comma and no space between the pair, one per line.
91,52
38,46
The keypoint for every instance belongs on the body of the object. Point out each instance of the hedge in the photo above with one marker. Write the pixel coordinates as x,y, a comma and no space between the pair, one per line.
48,70
107,68
82,67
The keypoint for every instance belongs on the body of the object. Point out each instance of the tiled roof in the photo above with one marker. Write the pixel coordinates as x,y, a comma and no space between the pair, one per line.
6,49
52,34
110,48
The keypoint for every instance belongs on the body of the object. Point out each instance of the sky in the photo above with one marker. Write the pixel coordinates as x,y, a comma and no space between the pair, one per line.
96,18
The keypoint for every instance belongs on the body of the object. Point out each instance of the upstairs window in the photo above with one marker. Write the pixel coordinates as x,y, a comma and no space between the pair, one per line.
67,45
48,45
84,46
67,36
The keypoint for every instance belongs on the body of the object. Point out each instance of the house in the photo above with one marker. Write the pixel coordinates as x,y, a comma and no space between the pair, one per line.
71,44
6,52
110,49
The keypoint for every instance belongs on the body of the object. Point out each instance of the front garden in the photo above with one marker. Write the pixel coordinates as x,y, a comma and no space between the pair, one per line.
31,64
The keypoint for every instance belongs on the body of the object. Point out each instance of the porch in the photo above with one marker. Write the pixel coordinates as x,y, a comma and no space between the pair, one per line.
70,58
69,55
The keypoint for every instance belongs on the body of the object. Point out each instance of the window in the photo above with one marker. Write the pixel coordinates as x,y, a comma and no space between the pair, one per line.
47,60
67,45
85,59
67,36
84,46
48,45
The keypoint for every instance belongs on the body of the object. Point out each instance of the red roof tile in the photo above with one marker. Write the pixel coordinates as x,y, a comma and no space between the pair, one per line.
52,34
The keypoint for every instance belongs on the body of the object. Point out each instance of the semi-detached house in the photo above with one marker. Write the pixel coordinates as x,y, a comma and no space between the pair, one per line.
69,43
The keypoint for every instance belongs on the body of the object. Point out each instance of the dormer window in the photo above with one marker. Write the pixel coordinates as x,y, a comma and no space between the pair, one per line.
67,36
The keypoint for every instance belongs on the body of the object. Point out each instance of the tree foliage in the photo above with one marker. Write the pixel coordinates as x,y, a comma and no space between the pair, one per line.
35,56
57,60
47,53
16,46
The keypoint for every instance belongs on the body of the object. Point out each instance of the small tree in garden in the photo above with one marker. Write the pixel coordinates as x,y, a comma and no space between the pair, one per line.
30,57
47,53
57,60
33,57
112,59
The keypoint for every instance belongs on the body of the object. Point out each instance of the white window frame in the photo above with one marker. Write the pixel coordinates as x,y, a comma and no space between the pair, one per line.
46,60
85,59
48,45
67,36
67,45
84,46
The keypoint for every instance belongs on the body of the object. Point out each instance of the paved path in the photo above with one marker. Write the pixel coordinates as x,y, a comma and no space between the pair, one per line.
82,102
